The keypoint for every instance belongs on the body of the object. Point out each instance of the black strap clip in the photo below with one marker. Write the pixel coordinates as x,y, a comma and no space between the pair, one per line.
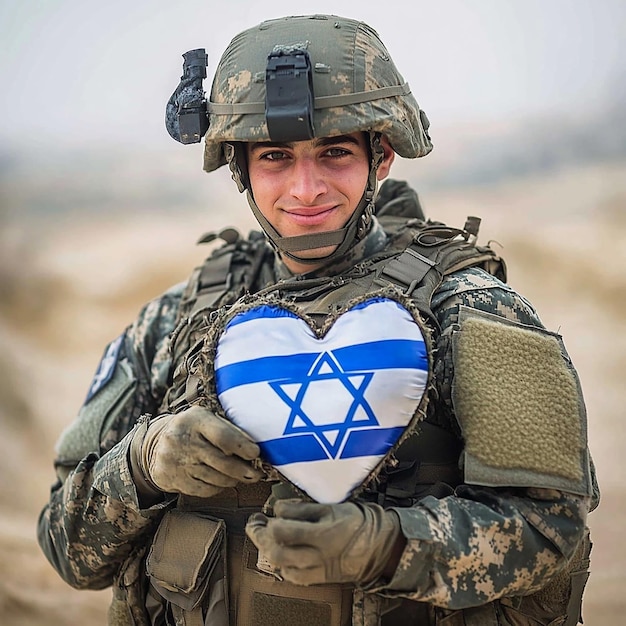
289,95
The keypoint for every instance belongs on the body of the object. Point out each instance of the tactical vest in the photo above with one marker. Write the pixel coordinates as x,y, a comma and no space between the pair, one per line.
419,255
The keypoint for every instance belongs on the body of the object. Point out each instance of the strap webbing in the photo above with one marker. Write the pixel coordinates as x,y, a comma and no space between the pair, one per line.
187,618
214,281
408,269
322,102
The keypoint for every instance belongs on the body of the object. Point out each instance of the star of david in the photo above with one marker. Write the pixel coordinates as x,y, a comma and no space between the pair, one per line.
311,396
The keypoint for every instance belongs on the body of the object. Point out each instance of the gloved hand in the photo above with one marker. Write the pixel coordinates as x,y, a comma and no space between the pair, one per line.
310,543
193,452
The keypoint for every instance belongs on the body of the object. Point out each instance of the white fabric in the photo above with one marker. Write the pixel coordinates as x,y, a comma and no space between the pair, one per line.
325,410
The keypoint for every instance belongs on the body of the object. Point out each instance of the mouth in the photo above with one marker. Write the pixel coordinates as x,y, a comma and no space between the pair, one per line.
310,216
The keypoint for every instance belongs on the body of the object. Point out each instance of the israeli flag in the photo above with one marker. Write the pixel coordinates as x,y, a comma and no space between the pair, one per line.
324,411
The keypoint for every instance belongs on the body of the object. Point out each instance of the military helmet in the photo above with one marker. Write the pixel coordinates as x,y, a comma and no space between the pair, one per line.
266,74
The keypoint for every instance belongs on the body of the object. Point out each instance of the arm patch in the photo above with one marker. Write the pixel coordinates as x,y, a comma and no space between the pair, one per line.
519,404
82,436
107,367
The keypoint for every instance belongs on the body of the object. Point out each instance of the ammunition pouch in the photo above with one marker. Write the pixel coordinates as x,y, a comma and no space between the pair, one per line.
256,597
186,567
263,600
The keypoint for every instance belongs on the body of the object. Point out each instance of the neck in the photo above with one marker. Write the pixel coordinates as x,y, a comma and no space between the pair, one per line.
296,267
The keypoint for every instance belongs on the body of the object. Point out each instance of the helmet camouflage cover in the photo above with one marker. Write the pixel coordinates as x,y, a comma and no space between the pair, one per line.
356,86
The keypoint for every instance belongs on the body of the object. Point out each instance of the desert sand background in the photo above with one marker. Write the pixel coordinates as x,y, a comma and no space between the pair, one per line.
72,278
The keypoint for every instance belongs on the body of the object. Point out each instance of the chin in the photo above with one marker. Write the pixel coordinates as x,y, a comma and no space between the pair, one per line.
316,253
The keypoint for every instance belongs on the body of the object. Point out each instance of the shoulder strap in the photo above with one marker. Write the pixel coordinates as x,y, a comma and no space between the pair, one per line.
228,273
434,251
236,264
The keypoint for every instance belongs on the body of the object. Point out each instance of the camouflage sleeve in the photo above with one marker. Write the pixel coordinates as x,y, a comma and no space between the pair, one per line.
93,520
482,543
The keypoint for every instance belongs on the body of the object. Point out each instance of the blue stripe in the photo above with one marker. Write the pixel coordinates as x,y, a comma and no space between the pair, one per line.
381,355
264,311
297,449
265,369
366,357
370,442
306,448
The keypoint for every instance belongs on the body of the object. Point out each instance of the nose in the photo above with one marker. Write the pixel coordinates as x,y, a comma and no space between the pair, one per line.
307,181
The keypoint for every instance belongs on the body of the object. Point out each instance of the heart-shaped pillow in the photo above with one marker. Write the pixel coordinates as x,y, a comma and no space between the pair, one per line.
325,409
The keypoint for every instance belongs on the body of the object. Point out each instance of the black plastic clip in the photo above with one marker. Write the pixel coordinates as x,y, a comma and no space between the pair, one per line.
289,95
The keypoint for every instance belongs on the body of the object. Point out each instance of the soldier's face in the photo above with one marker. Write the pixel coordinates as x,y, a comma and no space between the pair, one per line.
310,186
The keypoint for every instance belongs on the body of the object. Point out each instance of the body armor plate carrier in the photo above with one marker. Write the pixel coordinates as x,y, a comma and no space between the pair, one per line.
419,254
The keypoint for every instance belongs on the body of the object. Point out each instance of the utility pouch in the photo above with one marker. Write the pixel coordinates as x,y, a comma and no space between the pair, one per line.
265,600
186,566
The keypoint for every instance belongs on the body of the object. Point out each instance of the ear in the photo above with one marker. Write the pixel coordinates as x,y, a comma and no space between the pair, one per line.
389,155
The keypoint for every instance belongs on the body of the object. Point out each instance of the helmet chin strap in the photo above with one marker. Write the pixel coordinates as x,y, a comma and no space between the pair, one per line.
344,238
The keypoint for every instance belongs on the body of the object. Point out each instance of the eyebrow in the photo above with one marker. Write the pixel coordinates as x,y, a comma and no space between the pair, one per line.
322,141
326,141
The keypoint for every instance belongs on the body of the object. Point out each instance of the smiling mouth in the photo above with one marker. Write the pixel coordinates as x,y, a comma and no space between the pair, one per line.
310,216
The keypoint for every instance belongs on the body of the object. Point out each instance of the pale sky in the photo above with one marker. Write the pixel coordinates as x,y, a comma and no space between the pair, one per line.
73,71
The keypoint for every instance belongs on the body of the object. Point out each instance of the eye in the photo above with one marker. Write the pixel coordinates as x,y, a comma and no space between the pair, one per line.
272,155
337,151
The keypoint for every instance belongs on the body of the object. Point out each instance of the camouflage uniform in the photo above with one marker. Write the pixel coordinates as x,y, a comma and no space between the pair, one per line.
464,549
477,552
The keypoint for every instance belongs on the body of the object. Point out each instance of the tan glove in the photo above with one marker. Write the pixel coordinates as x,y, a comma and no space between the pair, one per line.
193,452
311,543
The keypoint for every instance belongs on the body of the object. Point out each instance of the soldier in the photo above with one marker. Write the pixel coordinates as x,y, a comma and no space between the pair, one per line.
254,449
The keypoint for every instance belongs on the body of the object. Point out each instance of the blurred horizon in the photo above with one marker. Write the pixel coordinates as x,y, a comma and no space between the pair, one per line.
83,73
512,89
